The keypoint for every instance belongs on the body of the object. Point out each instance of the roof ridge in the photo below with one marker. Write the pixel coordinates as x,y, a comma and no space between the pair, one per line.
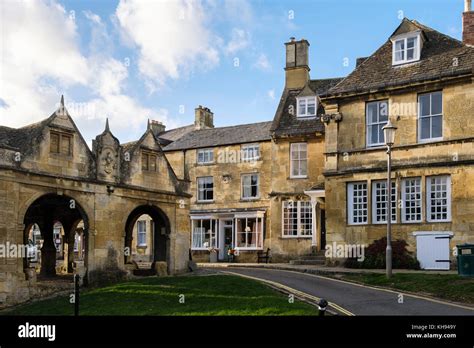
233,126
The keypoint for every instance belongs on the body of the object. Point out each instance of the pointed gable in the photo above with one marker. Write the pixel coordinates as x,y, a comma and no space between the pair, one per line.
441,57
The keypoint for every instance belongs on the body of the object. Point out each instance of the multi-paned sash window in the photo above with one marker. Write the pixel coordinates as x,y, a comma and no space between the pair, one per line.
357,203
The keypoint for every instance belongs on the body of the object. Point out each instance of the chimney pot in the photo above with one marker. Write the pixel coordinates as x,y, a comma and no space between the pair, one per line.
467,5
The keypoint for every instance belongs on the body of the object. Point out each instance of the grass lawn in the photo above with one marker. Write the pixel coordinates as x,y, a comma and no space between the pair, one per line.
204,295
448,286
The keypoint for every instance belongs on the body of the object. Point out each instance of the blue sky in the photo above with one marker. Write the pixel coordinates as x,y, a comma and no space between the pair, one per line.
132,60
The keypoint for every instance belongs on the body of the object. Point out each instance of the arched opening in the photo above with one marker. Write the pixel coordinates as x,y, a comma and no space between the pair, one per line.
147,235
56,233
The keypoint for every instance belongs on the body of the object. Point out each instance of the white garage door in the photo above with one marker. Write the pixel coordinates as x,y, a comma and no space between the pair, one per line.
432,249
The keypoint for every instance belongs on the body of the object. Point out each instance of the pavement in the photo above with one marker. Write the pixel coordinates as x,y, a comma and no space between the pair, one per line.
314,269
346,298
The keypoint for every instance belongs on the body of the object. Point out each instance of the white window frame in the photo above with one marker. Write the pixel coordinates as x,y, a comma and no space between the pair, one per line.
429,200
299,160
379,123
259,232
287,219
197,224
250,152
384,202
243,185
430,116
141,232
200,189
205,156
302,110
350,203
404,38
404,200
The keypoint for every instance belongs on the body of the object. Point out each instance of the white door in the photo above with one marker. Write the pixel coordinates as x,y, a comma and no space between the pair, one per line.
432,250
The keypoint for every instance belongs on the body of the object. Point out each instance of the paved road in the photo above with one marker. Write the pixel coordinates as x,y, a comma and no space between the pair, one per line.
356,299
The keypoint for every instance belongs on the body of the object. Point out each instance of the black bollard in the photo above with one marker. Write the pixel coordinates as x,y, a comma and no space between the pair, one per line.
322,304
76,295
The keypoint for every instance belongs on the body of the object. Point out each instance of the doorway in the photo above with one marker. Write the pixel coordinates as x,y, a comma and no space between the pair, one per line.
323,229
226,240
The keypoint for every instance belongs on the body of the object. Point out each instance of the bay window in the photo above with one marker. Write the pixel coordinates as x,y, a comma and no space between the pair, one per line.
204,234
249,232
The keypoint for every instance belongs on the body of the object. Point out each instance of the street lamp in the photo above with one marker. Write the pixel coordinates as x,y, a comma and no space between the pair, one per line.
389,136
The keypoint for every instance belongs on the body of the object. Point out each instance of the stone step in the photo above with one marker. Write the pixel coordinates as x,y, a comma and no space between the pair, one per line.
312,257
144,265
308,262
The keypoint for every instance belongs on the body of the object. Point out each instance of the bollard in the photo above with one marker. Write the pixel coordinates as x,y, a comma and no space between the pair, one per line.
322,304
76,295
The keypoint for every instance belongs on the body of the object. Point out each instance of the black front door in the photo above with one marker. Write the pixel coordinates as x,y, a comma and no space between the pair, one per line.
323,229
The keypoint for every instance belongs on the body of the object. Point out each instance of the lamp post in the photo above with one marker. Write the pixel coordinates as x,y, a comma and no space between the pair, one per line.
389,135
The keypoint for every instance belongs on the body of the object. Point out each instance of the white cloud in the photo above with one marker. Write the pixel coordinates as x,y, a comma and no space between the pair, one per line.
271,94
239,40
38,58
262,63
172,37
41,59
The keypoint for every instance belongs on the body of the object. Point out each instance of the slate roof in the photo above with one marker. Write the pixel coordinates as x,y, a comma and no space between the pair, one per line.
220,136
436,61
176,133
286,124
22,138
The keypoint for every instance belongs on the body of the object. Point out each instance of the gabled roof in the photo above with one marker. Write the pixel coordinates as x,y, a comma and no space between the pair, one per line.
287,124
439,56
221,136
23,139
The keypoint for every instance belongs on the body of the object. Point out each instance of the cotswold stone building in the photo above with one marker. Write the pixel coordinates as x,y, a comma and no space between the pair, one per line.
313,175
259,186
422,80
50,177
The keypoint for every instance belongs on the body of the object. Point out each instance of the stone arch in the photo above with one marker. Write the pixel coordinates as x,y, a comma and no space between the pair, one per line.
46,210
161,233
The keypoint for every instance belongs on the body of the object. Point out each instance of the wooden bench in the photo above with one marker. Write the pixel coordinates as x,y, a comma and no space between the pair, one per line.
263,256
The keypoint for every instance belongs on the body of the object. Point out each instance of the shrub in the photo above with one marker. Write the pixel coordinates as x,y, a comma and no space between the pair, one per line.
375,256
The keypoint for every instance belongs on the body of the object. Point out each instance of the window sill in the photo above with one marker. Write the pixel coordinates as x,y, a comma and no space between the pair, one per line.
297,177
253,199
205,164
296,237
204,202
431,140
143,246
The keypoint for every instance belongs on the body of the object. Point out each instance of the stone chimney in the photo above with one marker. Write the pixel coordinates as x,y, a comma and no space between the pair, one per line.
468,24
157,127
204,118
296,69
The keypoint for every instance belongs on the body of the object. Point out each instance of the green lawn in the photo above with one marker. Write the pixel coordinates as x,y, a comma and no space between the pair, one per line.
447,286
204,295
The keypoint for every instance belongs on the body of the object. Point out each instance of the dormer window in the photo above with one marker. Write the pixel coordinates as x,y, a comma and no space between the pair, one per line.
406,48
306,106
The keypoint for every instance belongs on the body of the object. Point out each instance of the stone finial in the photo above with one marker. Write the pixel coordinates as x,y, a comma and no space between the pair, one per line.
107,129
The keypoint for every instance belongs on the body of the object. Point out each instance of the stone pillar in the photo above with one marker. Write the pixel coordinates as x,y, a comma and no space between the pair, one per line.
314,224
48,251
